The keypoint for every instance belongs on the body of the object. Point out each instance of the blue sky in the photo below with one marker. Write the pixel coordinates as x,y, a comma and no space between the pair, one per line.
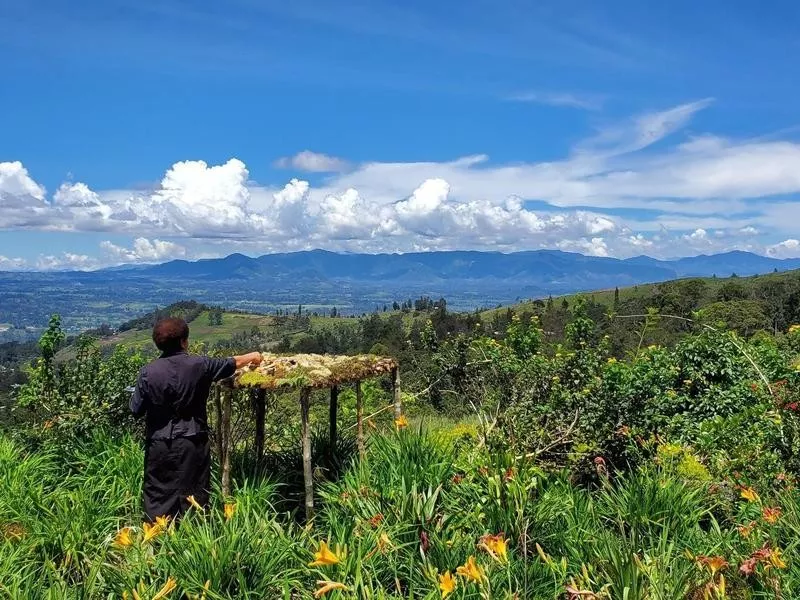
143,131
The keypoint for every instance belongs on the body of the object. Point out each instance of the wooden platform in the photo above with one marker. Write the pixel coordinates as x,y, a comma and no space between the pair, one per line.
303,373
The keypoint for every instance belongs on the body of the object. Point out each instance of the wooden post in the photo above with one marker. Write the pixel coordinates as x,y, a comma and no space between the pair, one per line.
226,442
218,419
333,414
305,394
360,420
398,403
260,398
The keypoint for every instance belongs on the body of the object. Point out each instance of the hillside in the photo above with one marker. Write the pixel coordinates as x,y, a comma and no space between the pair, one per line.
708,289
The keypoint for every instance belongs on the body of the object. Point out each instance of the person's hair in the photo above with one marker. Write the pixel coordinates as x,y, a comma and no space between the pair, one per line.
169,334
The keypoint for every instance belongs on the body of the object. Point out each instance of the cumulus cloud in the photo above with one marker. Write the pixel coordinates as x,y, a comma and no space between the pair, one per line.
313,162
607,197
786,249
12,264
143,250
67,261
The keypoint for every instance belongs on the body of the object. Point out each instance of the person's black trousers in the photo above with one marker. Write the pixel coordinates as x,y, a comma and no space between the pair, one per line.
174,470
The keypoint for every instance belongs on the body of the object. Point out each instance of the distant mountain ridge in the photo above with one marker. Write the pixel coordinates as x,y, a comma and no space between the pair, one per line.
353,283
538,265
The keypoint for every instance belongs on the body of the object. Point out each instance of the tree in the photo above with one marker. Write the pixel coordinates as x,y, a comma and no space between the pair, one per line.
742,316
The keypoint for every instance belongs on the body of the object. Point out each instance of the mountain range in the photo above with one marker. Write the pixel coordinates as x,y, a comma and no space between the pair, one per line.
546,268
354,283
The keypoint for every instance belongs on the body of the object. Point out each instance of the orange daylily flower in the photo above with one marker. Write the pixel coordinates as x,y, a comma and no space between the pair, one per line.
166,590
771,515
328,586
229,510
746,530
714,563
749,494
471,570
447,584
123,538
401,422
496,546
324,557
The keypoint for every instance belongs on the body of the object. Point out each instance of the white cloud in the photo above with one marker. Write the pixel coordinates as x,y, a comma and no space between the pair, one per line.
313,162
16,183
143,250
704,194
786,249
12,264
595,246
67,261
566,99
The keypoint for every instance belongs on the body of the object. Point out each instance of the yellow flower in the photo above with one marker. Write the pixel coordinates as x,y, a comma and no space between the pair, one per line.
123,538
612,360
794,329
166,590
447,584
162,521
749,494
384,543
776,560
328,586
151,530
230,509
496,546
194,503
401,422
470,570
324,557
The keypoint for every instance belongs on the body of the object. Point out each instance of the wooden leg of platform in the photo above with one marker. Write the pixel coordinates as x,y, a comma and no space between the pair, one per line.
398,403
218,419
334,413
360,420
260,398
226,442
306,433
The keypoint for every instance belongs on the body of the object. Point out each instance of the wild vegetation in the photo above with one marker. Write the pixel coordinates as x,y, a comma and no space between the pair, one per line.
553,451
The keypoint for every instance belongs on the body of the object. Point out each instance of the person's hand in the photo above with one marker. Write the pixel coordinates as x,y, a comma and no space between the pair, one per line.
256,358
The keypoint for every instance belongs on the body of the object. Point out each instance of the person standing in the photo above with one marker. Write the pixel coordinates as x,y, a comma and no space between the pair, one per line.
171,393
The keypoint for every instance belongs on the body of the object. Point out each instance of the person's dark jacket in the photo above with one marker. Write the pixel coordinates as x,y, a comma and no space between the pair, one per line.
172,391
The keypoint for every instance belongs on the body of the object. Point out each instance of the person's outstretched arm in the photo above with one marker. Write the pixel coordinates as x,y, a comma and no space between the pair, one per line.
222,368
252,358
